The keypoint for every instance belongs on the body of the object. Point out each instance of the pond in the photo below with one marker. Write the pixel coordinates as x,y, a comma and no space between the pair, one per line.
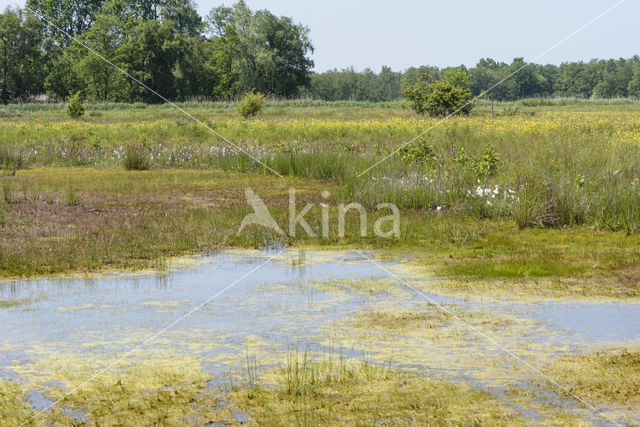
225,305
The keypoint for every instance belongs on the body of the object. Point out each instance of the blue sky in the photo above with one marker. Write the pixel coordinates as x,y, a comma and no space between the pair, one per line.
403,33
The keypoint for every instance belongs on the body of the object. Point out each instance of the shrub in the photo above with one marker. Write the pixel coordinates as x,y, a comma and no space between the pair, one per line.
483,166
136,157
487,164
440,98
420,152
251,104
75,109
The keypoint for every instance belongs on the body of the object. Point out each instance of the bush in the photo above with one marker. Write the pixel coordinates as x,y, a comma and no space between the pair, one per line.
251,104
75,109
487,164
439,99
136,157
420,152
483,166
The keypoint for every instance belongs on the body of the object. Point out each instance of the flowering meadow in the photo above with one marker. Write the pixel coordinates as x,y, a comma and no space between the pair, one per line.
549,168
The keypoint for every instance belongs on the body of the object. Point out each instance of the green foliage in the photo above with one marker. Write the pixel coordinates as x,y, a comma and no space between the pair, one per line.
463,159
487,164
75,109
634,83
420,152
252,103
483,166
446,99
23,55
440,98
418,94
166,45
136,157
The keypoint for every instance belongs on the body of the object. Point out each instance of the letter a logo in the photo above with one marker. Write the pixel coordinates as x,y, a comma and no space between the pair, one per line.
260,215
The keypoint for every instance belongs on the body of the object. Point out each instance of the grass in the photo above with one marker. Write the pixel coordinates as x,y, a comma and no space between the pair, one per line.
560,198
311,390
59,220
546,175
136,158
611,376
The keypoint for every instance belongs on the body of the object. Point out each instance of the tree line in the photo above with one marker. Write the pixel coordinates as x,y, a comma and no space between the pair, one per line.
59,48
168,47
597,78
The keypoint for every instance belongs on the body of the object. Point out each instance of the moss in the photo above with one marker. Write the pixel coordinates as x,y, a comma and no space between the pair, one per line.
610,376
147,392
340,392
14,409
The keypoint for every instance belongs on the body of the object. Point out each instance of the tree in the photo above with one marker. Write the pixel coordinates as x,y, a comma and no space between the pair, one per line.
102,80
266,53
418,93
634,83
63,80
149,54
73,17
22,58
75,109
441,98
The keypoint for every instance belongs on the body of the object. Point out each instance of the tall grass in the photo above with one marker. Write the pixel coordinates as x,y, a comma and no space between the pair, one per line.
11,159
136,158
554,170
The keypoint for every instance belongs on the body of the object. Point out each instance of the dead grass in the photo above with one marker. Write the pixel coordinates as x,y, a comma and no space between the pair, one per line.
611,376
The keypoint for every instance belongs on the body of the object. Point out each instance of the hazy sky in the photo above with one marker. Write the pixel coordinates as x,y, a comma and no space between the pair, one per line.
403,33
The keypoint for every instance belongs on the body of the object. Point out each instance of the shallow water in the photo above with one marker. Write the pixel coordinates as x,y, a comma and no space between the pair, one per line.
112,315
271,306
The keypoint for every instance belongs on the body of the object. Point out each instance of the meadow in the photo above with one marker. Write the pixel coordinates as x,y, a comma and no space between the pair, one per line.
539,199
523,193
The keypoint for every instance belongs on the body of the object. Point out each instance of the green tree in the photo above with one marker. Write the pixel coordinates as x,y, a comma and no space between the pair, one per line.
634,83
22,59
149,54
75,109
418,93
62,80
266,53
101,80
73,17
440,98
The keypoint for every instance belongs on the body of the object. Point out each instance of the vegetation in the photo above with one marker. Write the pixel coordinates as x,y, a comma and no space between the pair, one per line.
136,157
336,391
164,44
251,104
116,219
611,376
232,50
75,109
441,98
11,159
598,78
536,168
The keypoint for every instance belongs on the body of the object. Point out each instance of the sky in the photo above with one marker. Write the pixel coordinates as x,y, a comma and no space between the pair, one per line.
404,33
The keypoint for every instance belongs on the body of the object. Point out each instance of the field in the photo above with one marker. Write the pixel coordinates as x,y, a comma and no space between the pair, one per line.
537,203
